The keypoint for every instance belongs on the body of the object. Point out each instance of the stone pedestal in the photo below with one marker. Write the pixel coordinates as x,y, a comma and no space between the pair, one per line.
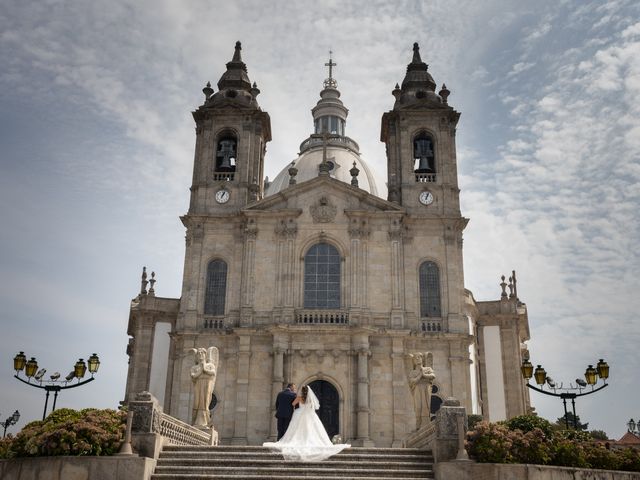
446,446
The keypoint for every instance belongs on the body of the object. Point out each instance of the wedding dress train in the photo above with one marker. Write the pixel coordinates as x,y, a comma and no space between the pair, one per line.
306,440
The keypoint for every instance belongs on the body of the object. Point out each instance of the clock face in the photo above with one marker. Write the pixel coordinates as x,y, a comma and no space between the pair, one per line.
426,198
222,196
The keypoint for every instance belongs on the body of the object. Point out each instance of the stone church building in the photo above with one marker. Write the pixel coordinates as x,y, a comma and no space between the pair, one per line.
315,279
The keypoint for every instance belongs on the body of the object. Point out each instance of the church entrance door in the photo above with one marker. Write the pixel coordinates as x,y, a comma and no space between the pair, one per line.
329,406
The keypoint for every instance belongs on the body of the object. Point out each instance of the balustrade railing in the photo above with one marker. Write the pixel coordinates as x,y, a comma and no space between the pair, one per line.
425,177
431,325
180,433
226,177
322,317
214,323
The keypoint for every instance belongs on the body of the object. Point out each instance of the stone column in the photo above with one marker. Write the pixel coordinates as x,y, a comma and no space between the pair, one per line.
362,409
242,391
277,382
399,391
248,273
397,273
286,231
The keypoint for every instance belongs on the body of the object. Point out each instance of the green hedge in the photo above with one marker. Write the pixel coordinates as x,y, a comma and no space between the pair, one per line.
69,432
531,439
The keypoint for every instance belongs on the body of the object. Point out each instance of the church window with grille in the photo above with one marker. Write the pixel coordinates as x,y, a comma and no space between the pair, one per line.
226,153
216,288
423,154
429,290
322,277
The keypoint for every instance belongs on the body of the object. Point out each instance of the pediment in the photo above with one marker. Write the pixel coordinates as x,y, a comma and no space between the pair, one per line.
321,195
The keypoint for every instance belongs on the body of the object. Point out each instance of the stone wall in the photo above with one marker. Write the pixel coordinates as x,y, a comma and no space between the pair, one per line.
77,468
493,471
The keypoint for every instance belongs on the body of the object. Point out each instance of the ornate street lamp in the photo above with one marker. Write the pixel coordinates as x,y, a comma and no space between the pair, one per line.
55,383
591,375
12,420
632,426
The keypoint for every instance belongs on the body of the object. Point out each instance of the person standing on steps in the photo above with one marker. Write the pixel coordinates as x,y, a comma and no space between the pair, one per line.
284,408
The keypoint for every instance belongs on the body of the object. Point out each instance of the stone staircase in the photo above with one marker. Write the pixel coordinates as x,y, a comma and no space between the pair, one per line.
248,463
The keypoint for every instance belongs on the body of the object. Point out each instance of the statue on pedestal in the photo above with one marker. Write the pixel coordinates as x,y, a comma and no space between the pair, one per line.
203,376
421,379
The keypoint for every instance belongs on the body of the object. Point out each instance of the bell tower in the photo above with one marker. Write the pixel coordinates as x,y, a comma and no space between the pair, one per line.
419,134
231,136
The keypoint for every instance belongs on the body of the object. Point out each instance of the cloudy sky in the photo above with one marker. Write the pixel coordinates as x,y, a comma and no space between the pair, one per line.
96,151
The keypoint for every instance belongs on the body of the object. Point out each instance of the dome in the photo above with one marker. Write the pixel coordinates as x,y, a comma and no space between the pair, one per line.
329,118
340,159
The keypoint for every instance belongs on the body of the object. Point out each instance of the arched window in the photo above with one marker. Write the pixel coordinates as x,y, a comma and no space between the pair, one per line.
226,152
322,277
429,290
423,154
216,288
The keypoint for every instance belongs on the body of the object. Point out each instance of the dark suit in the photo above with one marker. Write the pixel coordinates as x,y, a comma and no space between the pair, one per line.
284,410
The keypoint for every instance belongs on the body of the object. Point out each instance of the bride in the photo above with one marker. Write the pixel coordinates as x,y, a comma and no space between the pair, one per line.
306,440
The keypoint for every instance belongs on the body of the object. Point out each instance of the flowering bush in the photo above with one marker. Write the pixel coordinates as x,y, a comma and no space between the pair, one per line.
70,432
530,439
527,423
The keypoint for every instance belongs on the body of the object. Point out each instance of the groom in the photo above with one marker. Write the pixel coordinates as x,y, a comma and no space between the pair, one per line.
284,408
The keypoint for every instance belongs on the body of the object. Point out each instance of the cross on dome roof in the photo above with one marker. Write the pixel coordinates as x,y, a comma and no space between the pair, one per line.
330,82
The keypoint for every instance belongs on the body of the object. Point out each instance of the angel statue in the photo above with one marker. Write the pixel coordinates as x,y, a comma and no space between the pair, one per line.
421,379
203,376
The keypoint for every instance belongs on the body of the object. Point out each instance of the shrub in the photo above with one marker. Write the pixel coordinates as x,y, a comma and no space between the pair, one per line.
598,456
527,423
568,453
629,459
490,443
70,432
472,421
531,447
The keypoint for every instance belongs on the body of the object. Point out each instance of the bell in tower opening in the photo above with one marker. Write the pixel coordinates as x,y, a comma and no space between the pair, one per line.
226,155
423,154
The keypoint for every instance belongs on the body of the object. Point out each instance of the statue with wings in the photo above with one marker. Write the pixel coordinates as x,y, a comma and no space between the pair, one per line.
203,376
420,380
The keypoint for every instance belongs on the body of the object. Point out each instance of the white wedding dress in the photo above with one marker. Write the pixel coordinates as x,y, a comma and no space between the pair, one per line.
306,440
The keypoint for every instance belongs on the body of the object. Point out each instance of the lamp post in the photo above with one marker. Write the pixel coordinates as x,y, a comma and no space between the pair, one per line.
12,420
54,384
634,427
591,376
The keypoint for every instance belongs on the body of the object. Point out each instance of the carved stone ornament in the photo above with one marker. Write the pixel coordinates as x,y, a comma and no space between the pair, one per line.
359,228
286,228
250,229
396,230
323,212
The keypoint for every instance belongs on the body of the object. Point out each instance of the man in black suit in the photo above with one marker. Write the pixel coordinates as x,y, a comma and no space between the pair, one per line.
284,408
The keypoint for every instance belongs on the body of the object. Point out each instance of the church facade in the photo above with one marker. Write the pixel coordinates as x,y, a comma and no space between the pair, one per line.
314,279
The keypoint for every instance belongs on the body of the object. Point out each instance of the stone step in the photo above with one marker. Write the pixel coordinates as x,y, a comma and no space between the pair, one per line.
260,476
260,448
277,457
287,469
222,462
257,462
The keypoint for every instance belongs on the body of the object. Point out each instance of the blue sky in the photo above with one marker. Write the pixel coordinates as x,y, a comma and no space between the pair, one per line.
97,139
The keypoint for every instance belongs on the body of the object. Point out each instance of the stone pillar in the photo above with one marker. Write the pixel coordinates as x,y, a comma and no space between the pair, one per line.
286,231
248,272
399,391
447,433
397,273
277,382
362,407
242,391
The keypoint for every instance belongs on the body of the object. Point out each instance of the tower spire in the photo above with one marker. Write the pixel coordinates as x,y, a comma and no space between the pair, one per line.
330,82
